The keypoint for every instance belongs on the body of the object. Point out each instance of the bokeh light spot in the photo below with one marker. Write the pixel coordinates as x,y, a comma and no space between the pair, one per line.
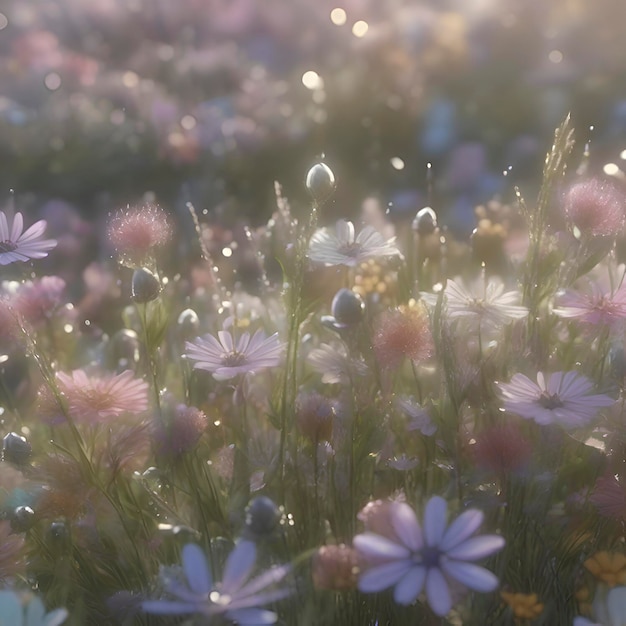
360,28
338,17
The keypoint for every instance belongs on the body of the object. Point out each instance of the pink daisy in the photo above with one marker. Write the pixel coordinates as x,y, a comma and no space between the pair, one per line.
19,245
93,399
595,306
225,359
561,398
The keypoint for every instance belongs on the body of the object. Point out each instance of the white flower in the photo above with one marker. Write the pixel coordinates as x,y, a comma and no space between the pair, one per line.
17,245
344,248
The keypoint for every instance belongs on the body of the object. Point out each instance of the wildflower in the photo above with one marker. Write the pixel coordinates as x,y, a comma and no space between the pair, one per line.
334,364
419,419
136,233
335,568
180,431
94,399
595,207
27,610
344,248
428,558
226,360
563,398
236,598
480,304
524,605
403,332
593,306
38,300
320,182
608,609
608,567
19,245
609,497
315,415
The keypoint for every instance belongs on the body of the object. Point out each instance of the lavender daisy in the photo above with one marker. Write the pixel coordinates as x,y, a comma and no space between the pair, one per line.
225,359
560,398
19,245
480,304
593,306
236,598
343,247
415,559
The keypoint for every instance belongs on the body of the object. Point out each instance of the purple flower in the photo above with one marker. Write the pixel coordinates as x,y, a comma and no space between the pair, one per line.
428,559
594,306
17,245
226,360
236,598
563,398
343,247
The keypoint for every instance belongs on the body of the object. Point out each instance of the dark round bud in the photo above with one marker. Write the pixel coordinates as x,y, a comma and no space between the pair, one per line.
22,519
16,449
347,308
145,286
122,349
188,324
262,516
320,182
58,535
425,222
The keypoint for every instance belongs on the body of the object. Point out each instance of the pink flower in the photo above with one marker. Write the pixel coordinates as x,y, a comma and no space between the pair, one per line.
39,299
93,399
17,245
594,306
595,207
561,398
225,360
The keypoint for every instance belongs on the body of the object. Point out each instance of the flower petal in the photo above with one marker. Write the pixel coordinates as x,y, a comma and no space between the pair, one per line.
472,576
435,517
384,576
406,525
461,528
168,607
438,592
238,567
379,547
410,586
196,569
476,548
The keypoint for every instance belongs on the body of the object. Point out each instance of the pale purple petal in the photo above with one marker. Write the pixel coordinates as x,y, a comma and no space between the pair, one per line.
476,548
238,566
226,339
196,569
345,231
461,528
438,592
4,227
250,617
472,576
168,607
406,526
269,577
384,576
435,519
410,586
378,547
18,227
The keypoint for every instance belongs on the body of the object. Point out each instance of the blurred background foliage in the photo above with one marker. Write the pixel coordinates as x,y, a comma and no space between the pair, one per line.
105,101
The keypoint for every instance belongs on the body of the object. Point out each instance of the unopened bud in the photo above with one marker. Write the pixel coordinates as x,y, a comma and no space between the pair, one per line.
145,286
16,449
347,308
320,182
425,222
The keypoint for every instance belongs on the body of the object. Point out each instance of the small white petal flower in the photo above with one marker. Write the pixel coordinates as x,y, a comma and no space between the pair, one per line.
344,247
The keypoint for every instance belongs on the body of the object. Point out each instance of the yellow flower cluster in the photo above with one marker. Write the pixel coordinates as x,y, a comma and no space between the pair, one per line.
609,567
524,605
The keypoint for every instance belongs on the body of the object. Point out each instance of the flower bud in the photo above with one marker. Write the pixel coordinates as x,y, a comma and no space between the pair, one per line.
335,568
188,324
347,308
425,222
22,519
320,182
262,516
16,449
145,286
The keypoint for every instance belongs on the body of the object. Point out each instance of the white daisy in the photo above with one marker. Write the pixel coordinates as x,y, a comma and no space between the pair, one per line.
17,245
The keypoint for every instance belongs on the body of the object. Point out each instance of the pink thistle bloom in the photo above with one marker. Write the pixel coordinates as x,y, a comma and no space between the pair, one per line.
595,207
19,245
92,399
563,398
595,307
39,299
428,558
344,247
479,303
135,233
225,359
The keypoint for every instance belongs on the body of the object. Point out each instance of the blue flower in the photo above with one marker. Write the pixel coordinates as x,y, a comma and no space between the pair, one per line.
15,612
237,598
413,559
